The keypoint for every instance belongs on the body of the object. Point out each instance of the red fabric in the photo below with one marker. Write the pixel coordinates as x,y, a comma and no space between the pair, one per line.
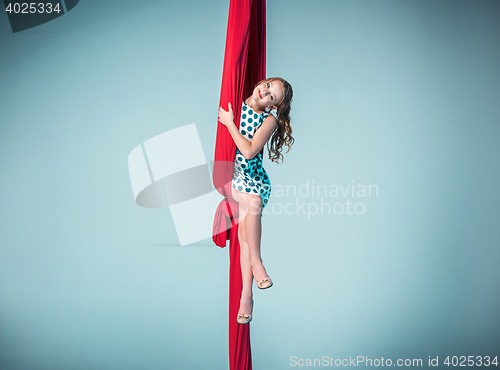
244,66
224,214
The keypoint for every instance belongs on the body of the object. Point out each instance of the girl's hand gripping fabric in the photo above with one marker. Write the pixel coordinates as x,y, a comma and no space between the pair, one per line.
226,117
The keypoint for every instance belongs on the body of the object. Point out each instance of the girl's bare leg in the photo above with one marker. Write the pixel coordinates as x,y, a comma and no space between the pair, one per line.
253,233
246,268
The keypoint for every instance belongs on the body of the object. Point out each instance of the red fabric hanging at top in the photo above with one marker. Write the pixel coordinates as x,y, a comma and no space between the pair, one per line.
244,66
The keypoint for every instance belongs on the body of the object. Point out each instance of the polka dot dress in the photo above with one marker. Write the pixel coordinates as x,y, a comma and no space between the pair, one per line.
249,176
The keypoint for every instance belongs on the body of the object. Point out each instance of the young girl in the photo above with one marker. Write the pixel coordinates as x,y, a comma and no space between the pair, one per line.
266,112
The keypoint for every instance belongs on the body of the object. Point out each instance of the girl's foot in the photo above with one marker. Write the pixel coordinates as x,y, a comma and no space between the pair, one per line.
246,308
261,277
264,284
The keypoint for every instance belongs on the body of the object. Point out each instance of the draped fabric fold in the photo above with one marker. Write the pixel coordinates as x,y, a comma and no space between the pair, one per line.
244,66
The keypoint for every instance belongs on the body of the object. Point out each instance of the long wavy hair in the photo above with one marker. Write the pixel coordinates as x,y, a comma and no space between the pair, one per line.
282,134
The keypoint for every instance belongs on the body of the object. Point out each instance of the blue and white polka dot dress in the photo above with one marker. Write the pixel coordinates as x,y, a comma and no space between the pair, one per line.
249,176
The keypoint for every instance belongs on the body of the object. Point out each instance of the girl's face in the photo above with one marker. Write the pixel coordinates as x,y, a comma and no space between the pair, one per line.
268,94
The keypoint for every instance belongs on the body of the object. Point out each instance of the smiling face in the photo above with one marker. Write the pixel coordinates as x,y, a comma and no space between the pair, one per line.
268,93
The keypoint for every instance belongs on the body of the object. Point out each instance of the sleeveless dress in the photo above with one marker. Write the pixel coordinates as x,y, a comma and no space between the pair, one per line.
249,175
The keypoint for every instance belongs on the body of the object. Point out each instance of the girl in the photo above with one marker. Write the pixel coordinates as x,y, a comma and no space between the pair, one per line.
266,112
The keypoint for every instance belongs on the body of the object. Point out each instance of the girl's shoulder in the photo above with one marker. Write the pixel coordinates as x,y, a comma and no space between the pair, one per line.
272,112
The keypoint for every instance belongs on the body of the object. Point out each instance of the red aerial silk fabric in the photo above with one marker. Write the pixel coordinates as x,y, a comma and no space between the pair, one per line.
244,66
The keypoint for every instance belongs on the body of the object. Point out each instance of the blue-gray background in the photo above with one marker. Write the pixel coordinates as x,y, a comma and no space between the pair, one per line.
400,94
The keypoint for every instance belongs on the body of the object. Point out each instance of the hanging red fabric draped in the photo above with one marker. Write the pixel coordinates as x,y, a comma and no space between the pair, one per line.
244,66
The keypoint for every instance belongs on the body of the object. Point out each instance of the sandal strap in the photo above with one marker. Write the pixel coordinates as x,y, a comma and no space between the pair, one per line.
264,281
